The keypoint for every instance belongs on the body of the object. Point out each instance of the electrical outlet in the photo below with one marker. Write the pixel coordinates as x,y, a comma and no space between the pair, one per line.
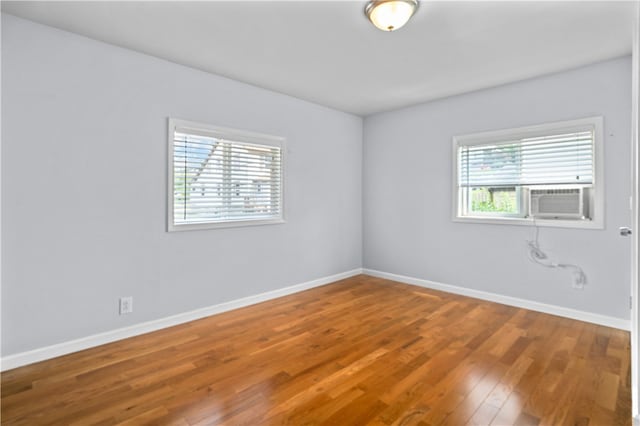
126,305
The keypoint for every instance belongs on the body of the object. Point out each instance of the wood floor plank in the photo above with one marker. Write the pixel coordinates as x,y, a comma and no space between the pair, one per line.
359,351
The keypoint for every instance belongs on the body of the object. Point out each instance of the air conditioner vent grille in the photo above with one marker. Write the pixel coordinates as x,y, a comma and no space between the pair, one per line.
556,191
557,203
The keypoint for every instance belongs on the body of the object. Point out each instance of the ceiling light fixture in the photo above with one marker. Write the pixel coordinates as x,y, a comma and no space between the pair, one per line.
389,15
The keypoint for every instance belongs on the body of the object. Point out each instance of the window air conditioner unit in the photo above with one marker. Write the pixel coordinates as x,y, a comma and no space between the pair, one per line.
558,203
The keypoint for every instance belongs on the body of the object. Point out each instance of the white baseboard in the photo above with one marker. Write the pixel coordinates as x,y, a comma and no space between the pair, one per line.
614,322
48,352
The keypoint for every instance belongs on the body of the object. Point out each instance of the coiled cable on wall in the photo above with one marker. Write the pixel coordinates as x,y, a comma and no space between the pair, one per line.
538,256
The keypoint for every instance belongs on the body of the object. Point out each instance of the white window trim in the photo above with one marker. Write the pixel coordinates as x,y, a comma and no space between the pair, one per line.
225,133
597,202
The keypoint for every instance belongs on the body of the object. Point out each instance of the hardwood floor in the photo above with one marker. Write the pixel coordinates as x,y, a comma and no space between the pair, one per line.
360,351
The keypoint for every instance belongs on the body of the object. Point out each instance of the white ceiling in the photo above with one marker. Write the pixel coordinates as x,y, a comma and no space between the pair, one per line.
327,52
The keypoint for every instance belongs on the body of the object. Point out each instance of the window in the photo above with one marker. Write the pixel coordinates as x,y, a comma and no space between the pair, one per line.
223,177
550,173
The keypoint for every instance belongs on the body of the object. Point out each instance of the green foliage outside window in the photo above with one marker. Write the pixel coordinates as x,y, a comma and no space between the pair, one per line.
494,200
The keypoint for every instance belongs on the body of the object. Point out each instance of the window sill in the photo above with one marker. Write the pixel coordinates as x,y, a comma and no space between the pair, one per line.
576,224
218,225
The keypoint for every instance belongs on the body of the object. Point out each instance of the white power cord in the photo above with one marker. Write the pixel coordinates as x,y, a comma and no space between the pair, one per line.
538,256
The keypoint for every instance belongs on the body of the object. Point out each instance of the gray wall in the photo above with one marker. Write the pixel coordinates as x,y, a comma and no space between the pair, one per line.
408,189
84,189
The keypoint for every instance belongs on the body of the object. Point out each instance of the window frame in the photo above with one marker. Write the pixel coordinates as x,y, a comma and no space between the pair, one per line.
596,196
233,135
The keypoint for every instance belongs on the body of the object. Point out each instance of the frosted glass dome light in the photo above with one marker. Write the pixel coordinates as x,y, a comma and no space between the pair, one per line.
389,15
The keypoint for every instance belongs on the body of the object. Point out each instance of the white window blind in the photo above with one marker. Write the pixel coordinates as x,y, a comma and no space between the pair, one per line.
217,179
498,175
563,158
